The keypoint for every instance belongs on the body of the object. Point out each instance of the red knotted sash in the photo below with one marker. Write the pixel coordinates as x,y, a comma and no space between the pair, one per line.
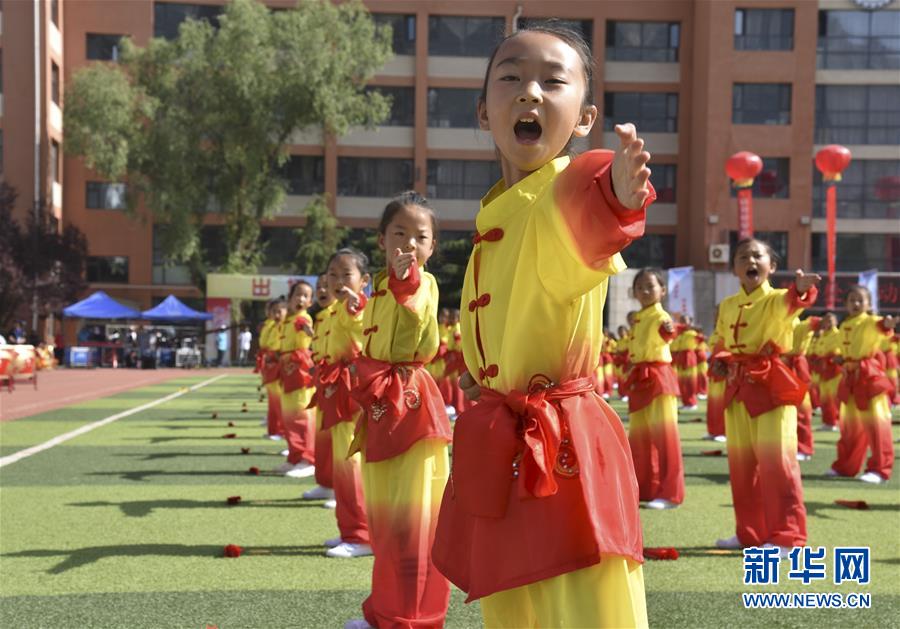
271,367
684,358
800,365
647,381
402,406
295,370
333,385
761,381
863,380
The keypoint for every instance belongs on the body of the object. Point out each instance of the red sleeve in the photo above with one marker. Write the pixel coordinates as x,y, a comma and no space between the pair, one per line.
363,300
814,323
601,226
884,329
799,302
404,289
667,336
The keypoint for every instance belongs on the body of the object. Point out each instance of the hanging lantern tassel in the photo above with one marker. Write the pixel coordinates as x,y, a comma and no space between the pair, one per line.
831,161
745,213
742,168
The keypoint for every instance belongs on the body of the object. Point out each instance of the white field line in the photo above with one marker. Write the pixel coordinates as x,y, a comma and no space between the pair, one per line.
21,454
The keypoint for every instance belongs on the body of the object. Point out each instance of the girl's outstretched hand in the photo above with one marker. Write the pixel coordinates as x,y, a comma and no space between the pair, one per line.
345,293
889,322
805,281
469,387
629,168
402,263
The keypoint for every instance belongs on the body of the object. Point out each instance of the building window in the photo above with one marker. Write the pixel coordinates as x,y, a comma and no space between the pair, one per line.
761,103
168,16
461,179
859,252
464,36
100,195
279,246
777,240
403,105
107,269
585,28
764,29
54,161
869,188
857,114
164,272
656,250
305,174
850,40
651,112
403,31
773,181
452,107
103,47
54,82
642,41
663,178
373,176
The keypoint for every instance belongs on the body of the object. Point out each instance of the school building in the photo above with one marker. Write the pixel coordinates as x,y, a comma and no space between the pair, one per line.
701,79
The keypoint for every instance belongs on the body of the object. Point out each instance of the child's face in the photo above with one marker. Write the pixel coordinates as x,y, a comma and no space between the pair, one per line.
443,317
534,101
753,265
623,331
280,313
301,298
323,295
410,231
829,322
857,302
343,273
648,290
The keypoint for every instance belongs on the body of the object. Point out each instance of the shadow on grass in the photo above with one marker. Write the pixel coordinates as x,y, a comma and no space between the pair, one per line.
86,556
159,456
141,508
713,477
142,475
707,552
816,508
158,440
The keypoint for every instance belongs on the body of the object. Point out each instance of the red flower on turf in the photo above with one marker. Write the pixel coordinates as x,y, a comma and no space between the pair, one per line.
245,450
665,553
862,505
253,470
233,550
711,453
233,500
231,424
230,435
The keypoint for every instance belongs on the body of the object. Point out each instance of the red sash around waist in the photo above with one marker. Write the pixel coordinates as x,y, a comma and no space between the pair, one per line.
863,380
684,359
762,382
333,385
649,380
800,365
295,370
402,405
271,367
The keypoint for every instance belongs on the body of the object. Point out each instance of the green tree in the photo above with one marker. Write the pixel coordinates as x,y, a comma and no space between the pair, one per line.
318,239
201,123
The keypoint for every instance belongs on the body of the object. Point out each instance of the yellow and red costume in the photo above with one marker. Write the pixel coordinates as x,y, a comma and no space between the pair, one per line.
796,360
620,362
890,346
437,367
270,370
684,359
702,365
341,341
761,397
715,401
455,366
865,393
542,505
404,435
323,447
830,349
652,391
297,389
814,359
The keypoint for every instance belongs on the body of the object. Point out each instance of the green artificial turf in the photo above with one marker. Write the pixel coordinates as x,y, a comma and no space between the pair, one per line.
124,527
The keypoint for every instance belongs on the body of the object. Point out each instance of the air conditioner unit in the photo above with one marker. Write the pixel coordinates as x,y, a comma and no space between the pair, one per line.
718,254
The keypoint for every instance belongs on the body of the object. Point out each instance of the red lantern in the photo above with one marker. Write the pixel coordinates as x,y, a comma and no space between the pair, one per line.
832,160
743,167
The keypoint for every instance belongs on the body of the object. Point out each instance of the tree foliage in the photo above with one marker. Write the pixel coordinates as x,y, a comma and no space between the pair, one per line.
37,262
201,123
318,239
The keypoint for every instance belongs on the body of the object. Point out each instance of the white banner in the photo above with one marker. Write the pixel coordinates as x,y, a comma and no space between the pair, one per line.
869,279
253,287
681,290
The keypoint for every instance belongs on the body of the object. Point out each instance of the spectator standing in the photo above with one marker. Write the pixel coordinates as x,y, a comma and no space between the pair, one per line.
244,340
222,346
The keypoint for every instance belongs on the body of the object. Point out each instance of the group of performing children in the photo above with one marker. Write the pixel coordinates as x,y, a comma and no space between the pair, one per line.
537,516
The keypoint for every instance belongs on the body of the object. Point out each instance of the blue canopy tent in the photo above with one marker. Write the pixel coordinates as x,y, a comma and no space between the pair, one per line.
100,306
171,309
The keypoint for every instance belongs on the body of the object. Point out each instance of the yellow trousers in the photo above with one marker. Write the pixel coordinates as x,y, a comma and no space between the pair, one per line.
607,594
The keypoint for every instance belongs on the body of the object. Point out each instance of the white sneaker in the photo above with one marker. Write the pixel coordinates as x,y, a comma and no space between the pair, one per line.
729,542
330,504
834,429
624,398
273,437
720,439
830,472
605,396
357,623
346,550
783,551
689,408
872,477
318,493
803,457
285,452
660,504
702,396
301,470
284,467
331,543
450,409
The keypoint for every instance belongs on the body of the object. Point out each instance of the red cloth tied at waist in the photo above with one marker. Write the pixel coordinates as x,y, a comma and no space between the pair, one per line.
829,368
501,429
620,359
700,355
295,370
863,380
684,359
402,405
271,367
761,381
649,380
800,365
454,363
333,385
